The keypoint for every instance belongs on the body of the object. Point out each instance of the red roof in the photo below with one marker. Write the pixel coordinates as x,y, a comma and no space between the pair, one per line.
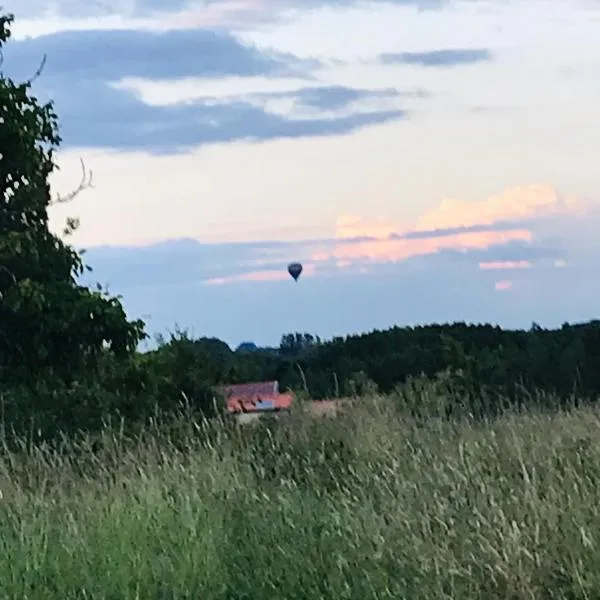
263,388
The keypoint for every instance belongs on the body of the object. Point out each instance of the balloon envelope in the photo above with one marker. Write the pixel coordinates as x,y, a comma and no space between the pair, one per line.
294,269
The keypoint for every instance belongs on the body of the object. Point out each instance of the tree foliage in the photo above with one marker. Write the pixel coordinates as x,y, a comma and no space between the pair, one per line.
48,322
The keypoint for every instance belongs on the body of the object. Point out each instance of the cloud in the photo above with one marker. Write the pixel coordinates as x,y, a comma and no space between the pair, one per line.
507,220
503,286
394,250
496,265
109,55
438,58
359,246
261,276
176,261
211,11
34,21
332,97
87,9
177,128
511,210
514,204
94,62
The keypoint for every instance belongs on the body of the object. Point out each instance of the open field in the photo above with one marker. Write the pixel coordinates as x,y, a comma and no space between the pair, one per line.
369,505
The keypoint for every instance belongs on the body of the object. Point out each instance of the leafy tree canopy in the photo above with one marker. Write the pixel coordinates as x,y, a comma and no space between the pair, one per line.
48,322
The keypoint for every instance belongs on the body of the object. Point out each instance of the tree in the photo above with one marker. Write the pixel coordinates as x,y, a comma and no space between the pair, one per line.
48,322
294,344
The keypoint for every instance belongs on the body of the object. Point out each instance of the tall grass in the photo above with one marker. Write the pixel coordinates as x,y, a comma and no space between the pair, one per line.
369,505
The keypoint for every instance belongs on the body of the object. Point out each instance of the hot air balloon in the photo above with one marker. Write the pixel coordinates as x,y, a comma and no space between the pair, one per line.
294,269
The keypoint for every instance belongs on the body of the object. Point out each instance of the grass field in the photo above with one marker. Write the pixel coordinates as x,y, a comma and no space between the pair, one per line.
369,505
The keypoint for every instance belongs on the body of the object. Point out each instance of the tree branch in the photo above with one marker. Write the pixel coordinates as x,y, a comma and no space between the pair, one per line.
84,184
38,71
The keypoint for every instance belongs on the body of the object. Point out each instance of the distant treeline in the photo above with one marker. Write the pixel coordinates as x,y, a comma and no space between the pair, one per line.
182,373
562,361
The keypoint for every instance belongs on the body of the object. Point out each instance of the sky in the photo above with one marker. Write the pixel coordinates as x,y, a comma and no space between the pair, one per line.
425,160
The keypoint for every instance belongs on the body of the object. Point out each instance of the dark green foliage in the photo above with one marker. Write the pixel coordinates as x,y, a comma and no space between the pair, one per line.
468,370
49,325
565,360
294,344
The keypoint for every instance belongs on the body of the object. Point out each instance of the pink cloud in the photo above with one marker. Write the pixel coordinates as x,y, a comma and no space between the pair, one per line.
503,286
260,276
359,241
393,250
512,205
515,203
496,265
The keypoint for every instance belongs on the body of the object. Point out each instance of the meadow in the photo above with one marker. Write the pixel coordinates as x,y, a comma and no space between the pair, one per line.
372,504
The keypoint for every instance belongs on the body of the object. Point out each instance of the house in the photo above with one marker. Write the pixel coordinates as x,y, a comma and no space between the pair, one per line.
251,389
247,409
256,398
